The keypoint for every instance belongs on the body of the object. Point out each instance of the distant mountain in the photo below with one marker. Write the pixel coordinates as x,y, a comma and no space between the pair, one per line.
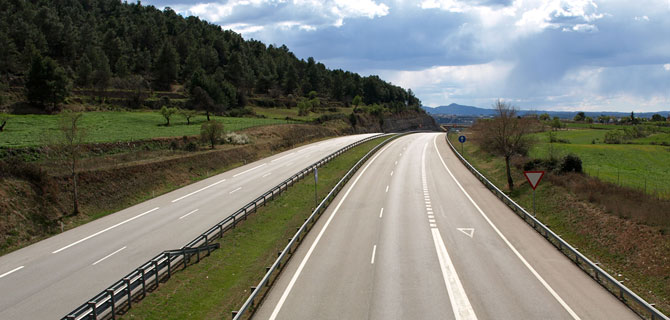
459,110
469,111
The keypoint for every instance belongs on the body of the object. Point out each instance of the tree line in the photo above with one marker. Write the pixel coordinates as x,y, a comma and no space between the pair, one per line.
51,46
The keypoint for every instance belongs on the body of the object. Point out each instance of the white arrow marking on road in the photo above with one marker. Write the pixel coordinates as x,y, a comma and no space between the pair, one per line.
467,231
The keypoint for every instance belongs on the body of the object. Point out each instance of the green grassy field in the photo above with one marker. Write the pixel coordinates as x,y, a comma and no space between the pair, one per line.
109,126
220,283
641,165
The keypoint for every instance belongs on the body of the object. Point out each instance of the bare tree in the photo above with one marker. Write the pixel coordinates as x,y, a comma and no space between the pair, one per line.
505,135
70,142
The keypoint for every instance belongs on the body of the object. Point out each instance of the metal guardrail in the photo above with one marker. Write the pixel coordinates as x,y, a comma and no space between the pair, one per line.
119,296
249,305
628,297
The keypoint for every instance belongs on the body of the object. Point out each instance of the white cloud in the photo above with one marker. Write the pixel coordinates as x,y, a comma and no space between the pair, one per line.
307,15
642,18
666,67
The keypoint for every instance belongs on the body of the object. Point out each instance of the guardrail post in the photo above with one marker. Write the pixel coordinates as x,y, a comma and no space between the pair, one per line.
156,271
144,284
112,302
94,312
169,265
183,253
129,291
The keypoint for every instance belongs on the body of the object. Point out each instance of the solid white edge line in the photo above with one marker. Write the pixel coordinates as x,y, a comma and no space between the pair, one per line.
188,214
104,230
238,189
196,191
509,244
107,256
245,171
374,250
291,283
11,271
381,213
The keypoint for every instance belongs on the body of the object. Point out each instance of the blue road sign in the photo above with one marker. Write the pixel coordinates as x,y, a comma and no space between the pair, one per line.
461,139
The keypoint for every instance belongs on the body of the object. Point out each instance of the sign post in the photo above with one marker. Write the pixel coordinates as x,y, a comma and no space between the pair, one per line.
461,139
316,179
533,178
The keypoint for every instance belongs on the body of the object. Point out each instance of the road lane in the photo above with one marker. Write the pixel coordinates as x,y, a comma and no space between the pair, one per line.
422,223
57,274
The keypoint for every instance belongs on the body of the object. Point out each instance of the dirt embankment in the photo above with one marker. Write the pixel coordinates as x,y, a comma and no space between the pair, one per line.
35,204
404,121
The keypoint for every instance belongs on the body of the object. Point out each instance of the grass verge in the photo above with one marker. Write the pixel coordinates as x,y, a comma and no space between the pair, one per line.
221,283
632,252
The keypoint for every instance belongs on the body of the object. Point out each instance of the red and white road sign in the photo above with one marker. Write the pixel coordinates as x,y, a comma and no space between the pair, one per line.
533,177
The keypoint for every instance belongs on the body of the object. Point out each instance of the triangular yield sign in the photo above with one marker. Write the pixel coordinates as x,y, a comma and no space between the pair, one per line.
533,177
467,231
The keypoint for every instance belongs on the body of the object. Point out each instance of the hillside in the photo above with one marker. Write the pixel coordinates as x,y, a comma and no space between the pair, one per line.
55,53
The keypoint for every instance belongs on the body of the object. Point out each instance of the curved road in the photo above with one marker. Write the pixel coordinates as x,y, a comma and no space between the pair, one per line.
52,277
416,236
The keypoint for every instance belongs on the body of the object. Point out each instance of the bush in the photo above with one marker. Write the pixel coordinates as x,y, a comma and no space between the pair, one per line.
234,138
191,146
211,132
571,163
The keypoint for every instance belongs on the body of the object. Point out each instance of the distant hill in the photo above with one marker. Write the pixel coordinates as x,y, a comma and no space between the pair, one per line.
470,111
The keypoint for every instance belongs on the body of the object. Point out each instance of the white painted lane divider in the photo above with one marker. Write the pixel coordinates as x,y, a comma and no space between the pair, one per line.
188,214
288,155
238,189
381,213
460,304
291,283
105,230
248,170
387,188
374,250
196,191
509,244
11,271
391,173
107,256
267,174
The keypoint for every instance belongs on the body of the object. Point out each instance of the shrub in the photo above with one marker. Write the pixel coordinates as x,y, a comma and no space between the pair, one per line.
571,163
191,146
234,138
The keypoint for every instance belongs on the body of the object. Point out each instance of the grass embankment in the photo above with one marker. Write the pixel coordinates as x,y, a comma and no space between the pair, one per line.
638,164
113,126
220,284
634,252
35,199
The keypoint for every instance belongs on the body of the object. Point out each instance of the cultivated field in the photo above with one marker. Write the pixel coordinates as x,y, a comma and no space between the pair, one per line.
110,126
641,163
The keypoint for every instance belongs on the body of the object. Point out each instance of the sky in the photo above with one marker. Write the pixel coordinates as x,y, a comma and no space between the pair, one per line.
584,55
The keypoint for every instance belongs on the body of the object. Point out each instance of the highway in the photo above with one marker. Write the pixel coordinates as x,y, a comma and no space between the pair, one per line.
52,277
414,235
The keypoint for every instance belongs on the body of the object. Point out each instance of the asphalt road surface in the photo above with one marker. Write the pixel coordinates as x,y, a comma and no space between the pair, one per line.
50,278
414,235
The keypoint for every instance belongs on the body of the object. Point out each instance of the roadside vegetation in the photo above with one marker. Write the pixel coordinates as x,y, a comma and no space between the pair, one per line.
220,283
611,218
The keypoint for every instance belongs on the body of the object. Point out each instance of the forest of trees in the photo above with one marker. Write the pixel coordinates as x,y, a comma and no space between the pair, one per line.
103,44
